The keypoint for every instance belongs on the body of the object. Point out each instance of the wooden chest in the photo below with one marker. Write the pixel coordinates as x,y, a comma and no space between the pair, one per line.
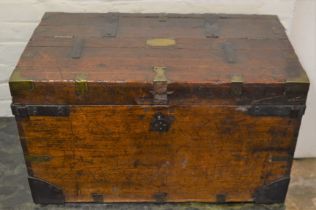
158,108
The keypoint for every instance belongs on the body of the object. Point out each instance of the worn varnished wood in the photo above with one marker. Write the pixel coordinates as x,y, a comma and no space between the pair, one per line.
261,49
115,64
174,25
104,151
209,151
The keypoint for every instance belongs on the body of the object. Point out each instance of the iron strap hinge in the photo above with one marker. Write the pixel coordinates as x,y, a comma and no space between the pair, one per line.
77,47
211,27
292,111
24,111
229,52
111,25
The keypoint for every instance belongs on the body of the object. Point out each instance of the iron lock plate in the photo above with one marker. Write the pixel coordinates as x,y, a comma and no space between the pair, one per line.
161,122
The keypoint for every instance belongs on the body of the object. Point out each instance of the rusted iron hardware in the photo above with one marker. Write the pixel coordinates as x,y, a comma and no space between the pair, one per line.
221,198
292,111
77,48
162,17
97,197
37,158
45,193
161,122
229,52
111,24
211,27
272,193
24,111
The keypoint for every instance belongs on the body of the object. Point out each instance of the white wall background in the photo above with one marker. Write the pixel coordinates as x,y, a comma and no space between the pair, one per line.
303,38
18,18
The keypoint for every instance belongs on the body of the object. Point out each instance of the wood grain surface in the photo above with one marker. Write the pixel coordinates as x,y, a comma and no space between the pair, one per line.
215,69
210,152
201,56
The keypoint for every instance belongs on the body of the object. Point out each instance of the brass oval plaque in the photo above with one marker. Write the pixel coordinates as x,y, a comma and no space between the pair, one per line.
161,42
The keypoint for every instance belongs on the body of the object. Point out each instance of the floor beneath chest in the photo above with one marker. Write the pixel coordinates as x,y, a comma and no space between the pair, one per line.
15,194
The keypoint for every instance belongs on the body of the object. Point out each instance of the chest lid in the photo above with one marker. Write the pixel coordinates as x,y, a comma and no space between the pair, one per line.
158,59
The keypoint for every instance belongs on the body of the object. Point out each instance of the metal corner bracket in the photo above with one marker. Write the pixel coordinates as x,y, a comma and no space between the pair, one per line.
45,193
272,193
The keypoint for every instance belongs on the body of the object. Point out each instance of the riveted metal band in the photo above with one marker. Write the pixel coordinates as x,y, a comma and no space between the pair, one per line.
24,111
229,52
77,48
111,25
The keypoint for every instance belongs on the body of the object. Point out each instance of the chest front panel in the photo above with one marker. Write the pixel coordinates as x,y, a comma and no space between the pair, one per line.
208,152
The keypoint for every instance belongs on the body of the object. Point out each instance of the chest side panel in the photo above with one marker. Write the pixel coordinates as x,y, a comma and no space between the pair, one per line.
113,153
